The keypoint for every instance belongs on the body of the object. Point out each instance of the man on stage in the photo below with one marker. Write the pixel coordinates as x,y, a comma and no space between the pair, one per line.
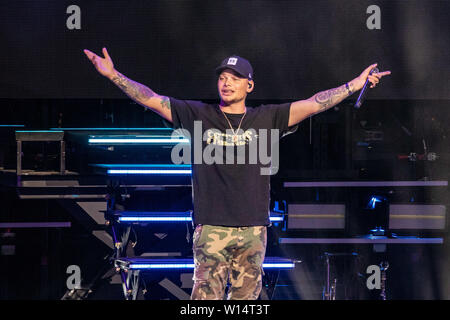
231,201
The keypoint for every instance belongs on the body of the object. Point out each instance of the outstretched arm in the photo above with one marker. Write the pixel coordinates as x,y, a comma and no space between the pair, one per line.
327,99
136,91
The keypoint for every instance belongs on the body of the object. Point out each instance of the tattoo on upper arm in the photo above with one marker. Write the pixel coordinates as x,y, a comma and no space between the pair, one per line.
134,90
165,102
327,99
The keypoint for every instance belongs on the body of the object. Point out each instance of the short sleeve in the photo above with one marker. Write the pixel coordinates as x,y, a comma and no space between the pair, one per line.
183,113
280,118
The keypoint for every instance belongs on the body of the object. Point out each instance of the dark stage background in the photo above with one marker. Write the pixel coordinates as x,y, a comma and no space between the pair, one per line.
297,48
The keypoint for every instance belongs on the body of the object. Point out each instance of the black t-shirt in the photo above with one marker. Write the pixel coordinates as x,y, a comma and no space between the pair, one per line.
228,186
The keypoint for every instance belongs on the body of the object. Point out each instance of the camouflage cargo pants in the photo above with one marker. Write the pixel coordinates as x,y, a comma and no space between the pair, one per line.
223,254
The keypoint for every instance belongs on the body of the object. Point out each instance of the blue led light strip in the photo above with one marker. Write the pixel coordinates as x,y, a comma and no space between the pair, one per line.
112,129
162,266
191,265
140,165
156,218
276,219
151,171
144,219
133,140
52,131
181,169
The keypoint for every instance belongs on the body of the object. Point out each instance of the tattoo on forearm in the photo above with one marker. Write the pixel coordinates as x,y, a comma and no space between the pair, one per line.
134,90
329,98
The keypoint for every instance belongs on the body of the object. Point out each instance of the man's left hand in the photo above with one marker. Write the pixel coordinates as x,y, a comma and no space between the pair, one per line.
374,78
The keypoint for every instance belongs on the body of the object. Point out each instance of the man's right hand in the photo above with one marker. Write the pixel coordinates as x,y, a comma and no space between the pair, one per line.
104,66
136,91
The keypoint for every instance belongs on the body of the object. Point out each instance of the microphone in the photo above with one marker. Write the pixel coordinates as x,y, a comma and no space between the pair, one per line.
362,95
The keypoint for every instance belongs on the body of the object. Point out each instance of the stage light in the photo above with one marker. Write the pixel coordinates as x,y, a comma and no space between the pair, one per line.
378,217
378,231
277,208
374,200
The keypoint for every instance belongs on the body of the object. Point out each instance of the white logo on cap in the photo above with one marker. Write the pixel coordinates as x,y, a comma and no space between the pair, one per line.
232,61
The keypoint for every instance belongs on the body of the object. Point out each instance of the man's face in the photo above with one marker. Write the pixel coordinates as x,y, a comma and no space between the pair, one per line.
233,87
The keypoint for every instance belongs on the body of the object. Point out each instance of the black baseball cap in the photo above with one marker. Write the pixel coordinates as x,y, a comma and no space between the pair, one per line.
238,64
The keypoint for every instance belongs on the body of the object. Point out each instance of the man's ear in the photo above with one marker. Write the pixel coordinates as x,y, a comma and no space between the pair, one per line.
250,87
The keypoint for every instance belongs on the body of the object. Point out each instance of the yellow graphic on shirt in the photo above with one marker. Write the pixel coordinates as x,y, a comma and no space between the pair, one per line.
224,139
